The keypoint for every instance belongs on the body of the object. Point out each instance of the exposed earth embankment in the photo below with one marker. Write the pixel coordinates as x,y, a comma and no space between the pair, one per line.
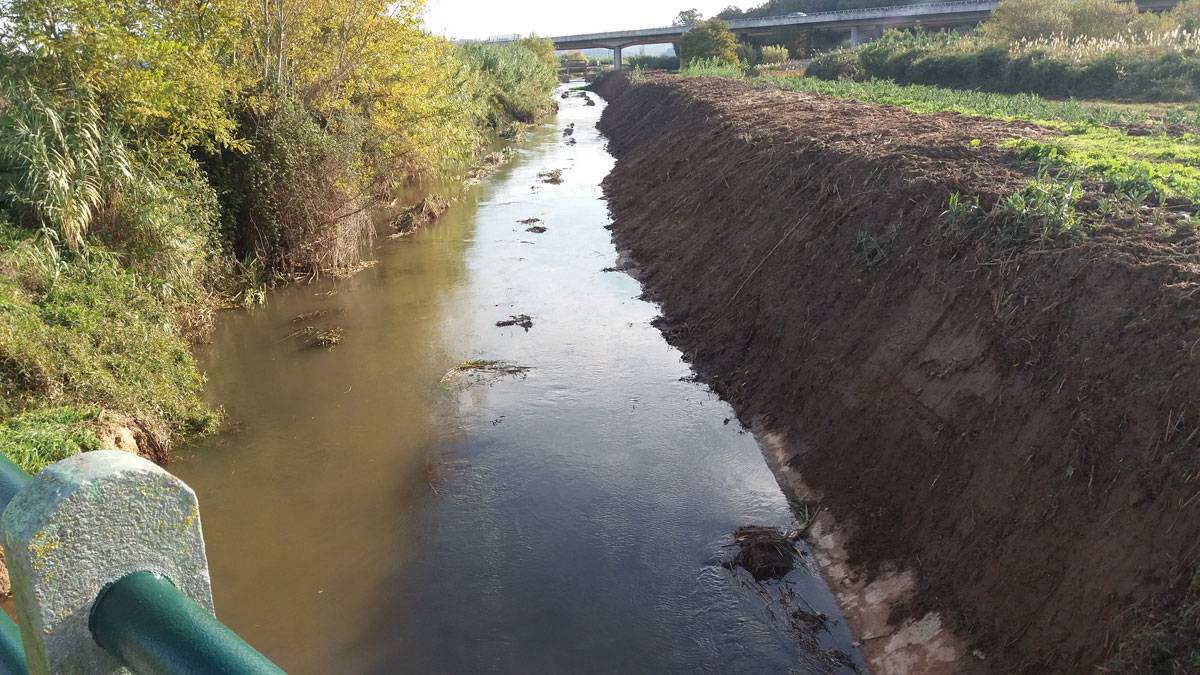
1010,420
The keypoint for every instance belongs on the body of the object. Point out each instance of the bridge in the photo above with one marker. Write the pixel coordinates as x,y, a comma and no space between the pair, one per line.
860,24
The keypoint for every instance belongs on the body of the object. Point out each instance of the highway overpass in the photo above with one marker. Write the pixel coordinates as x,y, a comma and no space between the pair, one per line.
859,24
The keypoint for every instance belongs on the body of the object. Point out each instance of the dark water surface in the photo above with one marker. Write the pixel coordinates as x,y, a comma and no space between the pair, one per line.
363,515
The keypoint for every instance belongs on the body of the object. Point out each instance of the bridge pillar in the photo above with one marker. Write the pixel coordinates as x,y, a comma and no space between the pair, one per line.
83,524
616,58
855,36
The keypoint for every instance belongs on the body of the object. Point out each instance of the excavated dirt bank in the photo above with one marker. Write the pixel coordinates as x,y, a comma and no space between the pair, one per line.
1017,427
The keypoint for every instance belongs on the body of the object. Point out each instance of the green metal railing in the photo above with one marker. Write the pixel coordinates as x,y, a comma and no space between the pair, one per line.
142,620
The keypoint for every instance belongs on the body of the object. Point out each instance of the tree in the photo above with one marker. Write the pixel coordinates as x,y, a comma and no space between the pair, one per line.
688,17
709,39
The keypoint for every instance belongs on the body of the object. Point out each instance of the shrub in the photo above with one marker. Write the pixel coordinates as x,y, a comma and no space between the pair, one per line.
837,65
646,62
774,54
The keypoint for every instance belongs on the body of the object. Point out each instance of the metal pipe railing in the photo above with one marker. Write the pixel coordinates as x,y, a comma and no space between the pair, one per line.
12,652
142,619
151,627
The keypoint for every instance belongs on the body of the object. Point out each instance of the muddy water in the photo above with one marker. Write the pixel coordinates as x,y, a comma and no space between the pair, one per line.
363,515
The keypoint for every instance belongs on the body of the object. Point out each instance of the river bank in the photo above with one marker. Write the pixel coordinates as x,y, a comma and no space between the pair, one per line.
571,513
1004,424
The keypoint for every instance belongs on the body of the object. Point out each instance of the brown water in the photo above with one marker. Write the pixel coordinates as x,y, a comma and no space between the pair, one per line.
363,516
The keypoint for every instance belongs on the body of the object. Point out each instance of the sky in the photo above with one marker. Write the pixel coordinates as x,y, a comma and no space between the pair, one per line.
478,19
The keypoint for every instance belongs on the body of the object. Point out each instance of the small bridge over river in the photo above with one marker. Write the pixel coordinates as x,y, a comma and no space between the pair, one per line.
859,24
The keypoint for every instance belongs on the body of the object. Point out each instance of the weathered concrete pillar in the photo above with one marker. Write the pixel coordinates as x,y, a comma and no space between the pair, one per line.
86,522
855,36
616,58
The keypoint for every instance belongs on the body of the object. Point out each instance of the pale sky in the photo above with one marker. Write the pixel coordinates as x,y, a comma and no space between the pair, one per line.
477,19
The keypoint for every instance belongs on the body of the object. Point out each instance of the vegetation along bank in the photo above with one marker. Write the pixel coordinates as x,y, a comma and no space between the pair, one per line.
160,160
974,342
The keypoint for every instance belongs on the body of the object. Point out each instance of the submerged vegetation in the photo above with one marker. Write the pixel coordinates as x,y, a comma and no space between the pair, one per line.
159,160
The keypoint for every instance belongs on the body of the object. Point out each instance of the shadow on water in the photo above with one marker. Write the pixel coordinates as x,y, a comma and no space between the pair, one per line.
363,515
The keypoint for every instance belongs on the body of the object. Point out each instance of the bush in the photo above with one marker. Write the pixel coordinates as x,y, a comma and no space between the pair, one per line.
839,65
646,62
518,77
774,54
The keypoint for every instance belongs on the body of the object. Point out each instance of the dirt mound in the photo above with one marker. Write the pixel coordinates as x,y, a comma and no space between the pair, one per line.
1017,426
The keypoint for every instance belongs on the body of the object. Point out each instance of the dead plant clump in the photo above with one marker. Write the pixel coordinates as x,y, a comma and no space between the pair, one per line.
536,229
569,129
553,176
315,337
765,552
483,371
530,221
421,214
486,166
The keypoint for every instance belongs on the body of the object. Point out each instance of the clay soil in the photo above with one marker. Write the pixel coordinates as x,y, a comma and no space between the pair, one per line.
1015,423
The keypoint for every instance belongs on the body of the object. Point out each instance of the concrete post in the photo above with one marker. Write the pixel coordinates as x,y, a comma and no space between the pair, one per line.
855,36
86,522
616,58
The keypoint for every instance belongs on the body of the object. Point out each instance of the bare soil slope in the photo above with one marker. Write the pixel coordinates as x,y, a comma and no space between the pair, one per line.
1017,424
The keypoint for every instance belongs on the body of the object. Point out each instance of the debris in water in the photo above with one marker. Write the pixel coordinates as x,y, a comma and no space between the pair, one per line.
483,371
307,317
617,268
521,320
571,141
420,214
536,229
764,552
530,221
317,337
565,95
570,129
553,176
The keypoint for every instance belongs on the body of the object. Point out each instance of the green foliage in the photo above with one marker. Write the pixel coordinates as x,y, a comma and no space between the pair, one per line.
36,439
1016,20
713,68
78,330
1161,68
774,54
517,76
647,62
709,39
59,161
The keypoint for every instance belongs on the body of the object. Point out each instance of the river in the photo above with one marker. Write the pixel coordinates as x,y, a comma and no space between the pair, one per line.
365,513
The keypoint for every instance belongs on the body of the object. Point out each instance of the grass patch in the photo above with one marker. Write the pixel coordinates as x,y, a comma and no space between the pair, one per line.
1170,643
1154,165
78,332
39,438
